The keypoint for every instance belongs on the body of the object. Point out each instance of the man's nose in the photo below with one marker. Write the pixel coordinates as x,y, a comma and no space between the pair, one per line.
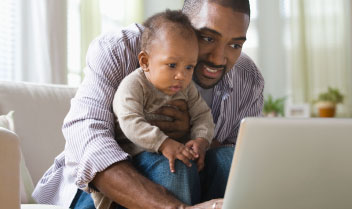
217,56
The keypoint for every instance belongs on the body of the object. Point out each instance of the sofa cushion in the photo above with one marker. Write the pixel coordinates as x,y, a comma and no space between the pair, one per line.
6,121
39,113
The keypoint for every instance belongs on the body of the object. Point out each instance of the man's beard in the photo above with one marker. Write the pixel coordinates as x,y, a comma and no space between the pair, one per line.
196,80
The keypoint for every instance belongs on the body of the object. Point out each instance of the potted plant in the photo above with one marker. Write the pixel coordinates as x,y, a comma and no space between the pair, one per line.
273,107
326,102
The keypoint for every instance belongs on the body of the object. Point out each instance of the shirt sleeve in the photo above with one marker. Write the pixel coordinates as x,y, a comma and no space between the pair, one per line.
89,126
202,125
128,106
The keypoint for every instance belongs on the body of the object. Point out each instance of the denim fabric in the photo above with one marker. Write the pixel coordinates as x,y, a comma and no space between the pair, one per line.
216,172
187,184
184,183
82,200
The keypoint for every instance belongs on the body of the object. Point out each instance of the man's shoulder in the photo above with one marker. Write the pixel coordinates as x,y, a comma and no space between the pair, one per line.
128,37
246,66
244,62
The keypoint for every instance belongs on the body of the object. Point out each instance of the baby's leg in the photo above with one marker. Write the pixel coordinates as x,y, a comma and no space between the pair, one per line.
184,183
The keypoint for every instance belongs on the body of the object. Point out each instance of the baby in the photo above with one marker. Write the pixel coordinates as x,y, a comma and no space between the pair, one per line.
169,53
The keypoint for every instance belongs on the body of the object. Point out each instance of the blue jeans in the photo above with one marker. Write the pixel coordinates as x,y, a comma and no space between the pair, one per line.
216,172
83,200
186,183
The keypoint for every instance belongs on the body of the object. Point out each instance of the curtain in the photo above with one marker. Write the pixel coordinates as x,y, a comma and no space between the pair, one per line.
99,16
41,54
90,26
321,50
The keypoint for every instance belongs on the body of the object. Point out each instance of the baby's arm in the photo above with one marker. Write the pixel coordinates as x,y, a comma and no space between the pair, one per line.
201,118
202,131
128,108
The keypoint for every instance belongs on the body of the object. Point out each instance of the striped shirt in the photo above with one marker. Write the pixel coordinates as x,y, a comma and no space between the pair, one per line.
89,126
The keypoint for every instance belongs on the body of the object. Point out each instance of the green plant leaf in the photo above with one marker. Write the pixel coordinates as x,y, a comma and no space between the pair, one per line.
272,105
331,95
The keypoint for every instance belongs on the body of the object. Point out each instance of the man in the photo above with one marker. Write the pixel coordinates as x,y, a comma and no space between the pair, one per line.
92,159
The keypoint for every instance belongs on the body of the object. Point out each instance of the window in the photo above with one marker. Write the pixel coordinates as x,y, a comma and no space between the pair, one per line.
8,36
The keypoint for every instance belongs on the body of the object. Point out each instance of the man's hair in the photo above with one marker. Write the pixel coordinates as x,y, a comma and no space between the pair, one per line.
174,19
191,7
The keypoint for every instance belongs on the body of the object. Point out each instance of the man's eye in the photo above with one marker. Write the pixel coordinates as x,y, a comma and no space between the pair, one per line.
172,65
207,38
189,67
236,46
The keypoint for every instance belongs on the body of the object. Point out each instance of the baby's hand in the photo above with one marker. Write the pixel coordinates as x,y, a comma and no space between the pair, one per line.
199,146
173,150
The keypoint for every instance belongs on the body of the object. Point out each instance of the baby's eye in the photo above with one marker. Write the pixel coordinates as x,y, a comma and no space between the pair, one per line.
172,65
189,67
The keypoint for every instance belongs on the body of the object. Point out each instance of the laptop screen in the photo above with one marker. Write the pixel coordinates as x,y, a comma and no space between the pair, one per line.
291,163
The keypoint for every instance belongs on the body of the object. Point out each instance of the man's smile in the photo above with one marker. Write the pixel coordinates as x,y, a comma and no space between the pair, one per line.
212,73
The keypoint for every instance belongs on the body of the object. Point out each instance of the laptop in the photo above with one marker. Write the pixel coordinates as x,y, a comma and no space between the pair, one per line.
282,163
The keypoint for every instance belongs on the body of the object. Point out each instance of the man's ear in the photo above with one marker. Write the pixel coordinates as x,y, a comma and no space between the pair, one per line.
143,59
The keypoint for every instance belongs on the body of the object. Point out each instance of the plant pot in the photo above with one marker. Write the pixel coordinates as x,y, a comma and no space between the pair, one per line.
271,114
326,109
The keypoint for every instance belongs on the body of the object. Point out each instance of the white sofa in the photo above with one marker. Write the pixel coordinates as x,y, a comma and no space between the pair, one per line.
39,111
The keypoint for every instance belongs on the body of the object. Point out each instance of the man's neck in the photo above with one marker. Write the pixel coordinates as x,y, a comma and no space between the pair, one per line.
207,94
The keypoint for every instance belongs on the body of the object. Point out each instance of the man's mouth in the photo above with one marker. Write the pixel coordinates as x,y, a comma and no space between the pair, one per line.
207,74
212,73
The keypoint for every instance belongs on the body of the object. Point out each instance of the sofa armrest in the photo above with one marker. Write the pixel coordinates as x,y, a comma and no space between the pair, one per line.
9,169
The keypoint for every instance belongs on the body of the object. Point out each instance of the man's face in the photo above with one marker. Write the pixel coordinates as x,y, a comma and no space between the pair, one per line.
222,33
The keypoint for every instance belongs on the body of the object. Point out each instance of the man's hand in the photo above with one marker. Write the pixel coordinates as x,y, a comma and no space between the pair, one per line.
180,126
211,204
199,146
173,150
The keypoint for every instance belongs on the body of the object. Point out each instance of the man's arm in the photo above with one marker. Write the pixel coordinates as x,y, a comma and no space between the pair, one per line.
144,194
123,184
129,109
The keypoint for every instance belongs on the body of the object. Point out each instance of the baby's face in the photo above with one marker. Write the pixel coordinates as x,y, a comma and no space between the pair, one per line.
171,60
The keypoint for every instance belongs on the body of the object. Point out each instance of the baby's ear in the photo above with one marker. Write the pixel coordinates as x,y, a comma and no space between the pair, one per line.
143,59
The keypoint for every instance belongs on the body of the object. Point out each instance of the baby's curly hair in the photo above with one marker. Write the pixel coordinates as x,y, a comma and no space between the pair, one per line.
175,19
